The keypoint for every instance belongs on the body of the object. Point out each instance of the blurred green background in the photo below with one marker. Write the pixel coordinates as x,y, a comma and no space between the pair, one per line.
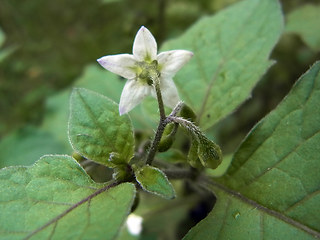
45,46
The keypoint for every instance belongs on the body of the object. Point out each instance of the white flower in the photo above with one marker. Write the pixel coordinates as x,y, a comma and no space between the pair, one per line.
142,67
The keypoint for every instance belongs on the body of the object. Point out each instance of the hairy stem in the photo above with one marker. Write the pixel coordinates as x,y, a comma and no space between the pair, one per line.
187,124
159,98
161,126
156,141
162,123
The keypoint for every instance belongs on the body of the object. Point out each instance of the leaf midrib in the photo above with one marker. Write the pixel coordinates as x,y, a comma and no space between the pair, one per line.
264,209
93,117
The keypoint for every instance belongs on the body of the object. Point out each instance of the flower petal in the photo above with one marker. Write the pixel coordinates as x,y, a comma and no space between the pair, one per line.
132,94
169,92
121,64
144,45
171,62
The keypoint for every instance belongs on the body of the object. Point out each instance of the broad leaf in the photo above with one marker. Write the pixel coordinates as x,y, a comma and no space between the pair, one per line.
96,129
153,180
235,218
231,53
32,198
277,167
304,21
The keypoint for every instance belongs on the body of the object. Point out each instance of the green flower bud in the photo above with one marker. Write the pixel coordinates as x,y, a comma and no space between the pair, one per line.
209,153
187,113
193,158
167,138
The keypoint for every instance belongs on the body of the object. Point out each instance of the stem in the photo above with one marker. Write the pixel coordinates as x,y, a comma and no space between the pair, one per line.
156,141
163,121
159,98
162,124
176,109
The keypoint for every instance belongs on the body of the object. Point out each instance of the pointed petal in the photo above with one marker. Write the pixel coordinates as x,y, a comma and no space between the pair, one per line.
132,94
144,45
121,64
169,92
171,62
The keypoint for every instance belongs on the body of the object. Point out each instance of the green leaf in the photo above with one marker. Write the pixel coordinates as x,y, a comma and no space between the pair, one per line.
96,129
23,146
235,218
231,53
153,180
32,197
274,175
304,21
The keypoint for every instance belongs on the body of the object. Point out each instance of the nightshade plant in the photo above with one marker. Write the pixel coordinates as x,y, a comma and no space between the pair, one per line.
269,191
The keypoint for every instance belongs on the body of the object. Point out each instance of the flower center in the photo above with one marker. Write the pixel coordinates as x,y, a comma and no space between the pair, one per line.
148,72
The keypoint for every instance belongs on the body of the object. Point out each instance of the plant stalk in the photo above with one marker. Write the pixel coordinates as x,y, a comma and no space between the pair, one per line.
161,126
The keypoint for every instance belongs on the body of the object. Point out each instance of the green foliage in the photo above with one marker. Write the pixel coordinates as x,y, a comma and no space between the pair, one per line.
268,189
24,146
153,180
33,196
276,171
231,51
234,218
304,21
96,129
